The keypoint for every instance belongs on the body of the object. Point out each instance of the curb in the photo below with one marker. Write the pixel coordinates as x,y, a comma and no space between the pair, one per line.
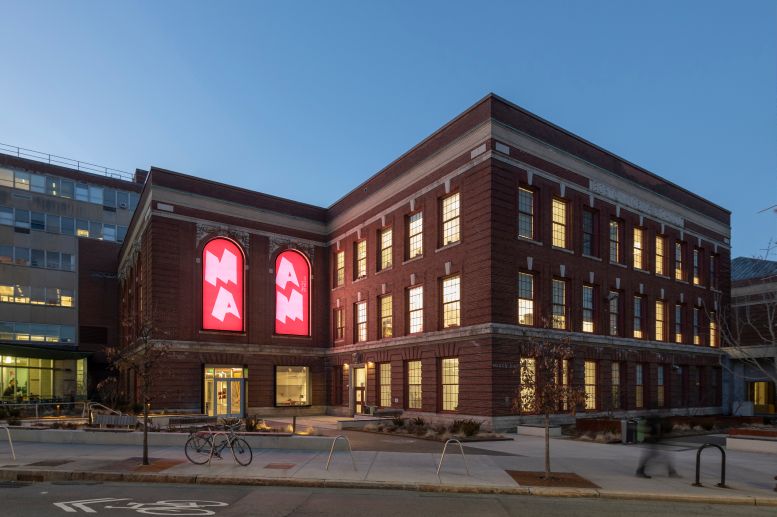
39,476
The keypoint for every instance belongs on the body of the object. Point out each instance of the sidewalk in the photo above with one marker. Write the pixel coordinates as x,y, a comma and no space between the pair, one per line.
611,467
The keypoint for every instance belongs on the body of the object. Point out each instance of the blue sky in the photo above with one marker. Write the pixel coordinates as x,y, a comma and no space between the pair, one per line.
307,99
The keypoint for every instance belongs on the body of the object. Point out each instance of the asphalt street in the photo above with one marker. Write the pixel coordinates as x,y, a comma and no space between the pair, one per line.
53,499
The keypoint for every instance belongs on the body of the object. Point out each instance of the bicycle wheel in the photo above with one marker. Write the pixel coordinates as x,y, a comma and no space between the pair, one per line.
198,449
242,451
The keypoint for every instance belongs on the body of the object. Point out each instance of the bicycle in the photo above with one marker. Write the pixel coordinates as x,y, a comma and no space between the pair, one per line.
202,446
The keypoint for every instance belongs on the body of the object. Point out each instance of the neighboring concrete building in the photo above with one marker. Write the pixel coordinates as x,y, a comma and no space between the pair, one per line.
45,209
421,287
752,336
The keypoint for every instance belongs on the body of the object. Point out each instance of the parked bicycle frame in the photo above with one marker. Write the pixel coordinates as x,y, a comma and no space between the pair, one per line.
203,446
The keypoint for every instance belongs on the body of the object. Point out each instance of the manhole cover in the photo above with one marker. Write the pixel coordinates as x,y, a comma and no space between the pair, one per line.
12,484
49,463
280,466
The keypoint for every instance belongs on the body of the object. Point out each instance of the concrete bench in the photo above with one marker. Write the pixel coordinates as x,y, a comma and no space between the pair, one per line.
387,412
127,421
177,423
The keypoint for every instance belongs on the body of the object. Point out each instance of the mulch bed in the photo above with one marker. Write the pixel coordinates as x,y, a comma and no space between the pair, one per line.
557,479
136,465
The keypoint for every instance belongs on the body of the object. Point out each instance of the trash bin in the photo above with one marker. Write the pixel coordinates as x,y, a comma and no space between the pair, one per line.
629,430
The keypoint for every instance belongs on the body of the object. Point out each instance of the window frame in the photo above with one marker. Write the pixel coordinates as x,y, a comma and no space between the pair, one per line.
360,259
383,317
416,237
660,255
559,234
522,302
411,368
590,236
308,386
338,323
638,248
527,214
447,376
418,310
614,301
385,252
638,310
450,305
384,384
450,223
661,319
360,330
615,240
588,325
556,317
339,268
590,384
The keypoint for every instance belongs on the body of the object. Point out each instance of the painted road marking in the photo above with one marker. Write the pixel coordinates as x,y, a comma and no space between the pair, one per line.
165,507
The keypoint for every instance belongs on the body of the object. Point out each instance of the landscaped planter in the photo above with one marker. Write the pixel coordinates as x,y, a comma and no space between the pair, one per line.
752,440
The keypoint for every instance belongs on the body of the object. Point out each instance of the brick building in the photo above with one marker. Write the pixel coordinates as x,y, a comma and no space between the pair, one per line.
421,287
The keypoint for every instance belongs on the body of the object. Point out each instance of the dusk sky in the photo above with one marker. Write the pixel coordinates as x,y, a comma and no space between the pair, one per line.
307,99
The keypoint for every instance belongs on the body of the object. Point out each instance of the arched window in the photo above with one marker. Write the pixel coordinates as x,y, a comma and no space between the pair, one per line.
292,294
222,286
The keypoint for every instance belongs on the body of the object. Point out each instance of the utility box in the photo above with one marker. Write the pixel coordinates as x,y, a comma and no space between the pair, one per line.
629,431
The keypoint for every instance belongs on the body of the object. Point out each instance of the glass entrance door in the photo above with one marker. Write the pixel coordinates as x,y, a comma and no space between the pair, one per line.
360,381
223,390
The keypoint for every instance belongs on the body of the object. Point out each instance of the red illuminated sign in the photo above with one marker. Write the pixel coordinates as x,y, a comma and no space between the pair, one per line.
292,294
222,286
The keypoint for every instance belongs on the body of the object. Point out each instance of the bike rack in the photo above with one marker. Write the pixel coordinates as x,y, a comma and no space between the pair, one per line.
722,483
213,435
332,450
443,455
10,442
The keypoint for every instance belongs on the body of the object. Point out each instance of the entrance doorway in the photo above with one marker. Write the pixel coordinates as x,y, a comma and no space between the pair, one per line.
224,391
360,388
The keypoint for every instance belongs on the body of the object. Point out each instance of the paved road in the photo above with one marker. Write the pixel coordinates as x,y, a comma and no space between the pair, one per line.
125,500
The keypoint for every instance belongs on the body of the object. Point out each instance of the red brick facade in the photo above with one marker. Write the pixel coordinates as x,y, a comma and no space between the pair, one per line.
484,156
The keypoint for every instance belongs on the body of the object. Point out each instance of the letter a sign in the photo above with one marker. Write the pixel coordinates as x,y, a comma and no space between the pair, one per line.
292,294
222,286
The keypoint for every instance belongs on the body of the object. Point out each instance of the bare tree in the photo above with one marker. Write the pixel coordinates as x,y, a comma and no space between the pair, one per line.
546,387
143,357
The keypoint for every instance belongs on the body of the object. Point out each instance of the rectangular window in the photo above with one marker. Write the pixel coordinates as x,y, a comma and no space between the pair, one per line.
589,235
68,262
38,183
52,186
384,381
414,395
660,386
696,267
713,271
638,332
660,255
525,299
385,240
68,189
615,306
6,177
559,320
339,268
22,256
109,198
616,385
590,385
566,375
22,219
82,192
660,320
22,180
526,213
415,309
527,380
109,232
559,216
121,233
360,259
339,323
386,324
292,386
615,241
638,248
122,199
639,393
713,330
415,235
68,226
38,221
451,301
696,334
38,258
450,384
6,254
678,261
450,219
95,230
678,323
52,223
82,228
360,318
95,194
52,259
588,308
6,216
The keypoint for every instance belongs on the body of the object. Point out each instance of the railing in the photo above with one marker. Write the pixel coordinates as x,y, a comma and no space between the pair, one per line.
332,450
722,483
38,409
72,163
10,442
443,455
89,407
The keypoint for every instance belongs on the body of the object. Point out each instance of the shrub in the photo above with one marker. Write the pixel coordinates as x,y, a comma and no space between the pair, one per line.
251,423
14,421
398,421
439,428
420,422
468,427
2,412
136,409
